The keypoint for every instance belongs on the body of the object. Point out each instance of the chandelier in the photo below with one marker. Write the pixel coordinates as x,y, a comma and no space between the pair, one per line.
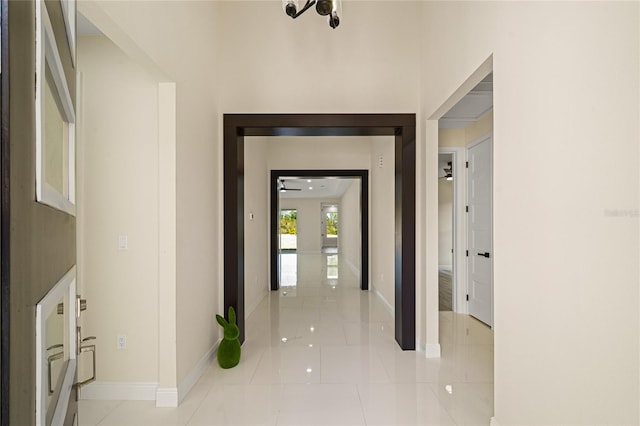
323,7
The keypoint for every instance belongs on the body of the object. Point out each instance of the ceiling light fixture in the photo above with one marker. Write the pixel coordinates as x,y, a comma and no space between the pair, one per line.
328,8
448,172
283,188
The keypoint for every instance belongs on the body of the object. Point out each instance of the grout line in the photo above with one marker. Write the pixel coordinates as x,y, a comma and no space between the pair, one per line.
364,416
203,399
106,414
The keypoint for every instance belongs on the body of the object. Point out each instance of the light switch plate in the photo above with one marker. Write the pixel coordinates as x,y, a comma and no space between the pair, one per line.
123,242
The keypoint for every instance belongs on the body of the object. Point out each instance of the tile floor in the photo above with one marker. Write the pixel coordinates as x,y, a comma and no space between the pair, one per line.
322,352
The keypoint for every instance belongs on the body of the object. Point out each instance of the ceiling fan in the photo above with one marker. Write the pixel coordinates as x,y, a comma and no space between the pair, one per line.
448,172
283,187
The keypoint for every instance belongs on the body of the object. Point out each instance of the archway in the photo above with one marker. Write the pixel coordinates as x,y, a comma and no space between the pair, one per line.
401,126
362,175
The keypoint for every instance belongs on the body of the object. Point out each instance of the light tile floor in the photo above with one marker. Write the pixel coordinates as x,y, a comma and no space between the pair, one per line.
322,353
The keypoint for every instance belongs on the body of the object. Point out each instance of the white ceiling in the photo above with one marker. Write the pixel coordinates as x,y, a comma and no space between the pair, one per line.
470,108
327,188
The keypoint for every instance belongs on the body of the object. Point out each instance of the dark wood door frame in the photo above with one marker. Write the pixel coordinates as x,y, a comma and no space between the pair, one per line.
401,126
4,217
363,175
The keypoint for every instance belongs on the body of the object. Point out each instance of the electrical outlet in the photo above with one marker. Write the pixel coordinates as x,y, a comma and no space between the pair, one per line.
122,342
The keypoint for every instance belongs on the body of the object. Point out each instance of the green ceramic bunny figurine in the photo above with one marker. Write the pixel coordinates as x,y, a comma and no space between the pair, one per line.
229,349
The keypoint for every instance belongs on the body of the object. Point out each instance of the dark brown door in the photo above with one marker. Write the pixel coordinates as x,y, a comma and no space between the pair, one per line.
38,241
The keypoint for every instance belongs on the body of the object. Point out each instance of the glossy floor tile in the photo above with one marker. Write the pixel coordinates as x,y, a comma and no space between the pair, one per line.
321,352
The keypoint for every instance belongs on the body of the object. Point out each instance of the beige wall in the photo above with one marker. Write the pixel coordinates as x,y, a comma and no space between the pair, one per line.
256,246
566,268
482,127
467,135
382,235
118,195
172,37
271,63
349,240
451,137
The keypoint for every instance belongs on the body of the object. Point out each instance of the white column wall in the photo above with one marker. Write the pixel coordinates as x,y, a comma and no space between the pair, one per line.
349,224
118,136
565,237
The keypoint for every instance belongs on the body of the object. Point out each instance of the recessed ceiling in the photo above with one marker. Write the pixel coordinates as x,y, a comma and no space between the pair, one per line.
325,188
474,105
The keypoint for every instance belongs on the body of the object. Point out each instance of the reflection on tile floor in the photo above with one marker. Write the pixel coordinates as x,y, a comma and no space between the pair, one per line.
322,353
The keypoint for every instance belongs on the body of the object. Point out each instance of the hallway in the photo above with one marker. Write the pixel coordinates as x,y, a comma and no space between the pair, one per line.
321,352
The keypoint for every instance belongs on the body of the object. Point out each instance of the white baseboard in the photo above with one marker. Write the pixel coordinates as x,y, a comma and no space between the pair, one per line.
493,422
167,397
432,350
354,268
132,391
385,302
248,309
149,391
196,372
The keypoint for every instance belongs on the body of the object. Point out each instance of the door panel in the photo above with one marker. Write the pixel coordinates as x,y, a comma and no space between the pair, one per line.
479,228
42,240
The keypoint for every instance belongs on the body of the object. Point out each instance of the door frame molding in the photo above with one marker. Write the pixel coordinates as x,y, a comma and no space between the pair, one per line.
401,126
363,175
4,216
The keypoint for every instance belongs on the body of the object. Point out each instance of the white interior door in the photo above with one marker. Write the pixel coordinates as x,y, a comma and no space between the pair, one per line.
479,229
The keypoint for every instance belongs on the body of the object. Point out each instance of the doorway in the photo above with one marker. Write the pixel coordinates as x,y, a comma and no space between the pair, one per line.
329,228
465,120
401,126
446,269
276,229
276,178
288,230
467,162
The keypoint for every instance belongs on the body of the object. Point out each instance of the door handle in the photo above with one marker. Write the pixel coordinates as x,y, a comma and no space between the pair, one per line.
485,254
81,305
50,360
92,349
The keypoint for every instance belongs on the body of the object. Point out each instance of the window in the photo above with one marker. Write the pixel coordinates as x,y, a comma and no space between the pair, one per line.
288,229
56,350
55,122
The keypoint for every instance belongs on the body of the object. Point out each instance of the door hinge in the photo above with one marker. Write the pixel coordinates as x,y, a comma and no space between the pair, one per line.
467,297
467,253
466,164
466,209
